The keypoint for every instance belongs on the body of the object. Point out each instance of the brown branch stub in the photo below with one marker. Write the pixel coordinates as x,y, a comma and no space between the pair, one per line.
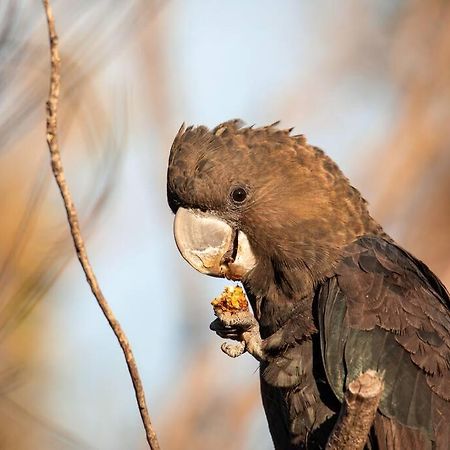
357,412
72,217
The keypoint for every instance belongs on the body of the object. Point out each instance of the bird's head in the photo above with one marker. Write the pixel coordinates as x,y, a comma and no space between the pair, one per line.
249,197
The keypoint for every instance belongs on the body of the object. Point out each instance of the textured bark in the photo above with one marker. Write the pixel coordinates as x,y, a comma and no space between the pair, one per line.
357,413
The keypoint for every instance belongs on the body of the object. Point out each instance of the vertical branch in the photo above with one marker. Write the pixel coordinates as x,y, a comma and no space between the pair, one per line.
72,217
357,413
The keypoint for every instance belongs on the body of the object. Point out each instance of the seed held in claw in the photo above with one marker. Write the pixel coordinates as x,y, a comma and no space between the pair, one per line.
231,300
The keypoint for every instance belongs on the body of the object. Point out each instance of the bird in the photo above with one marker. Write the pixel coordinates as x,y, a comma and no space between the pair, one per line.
332,294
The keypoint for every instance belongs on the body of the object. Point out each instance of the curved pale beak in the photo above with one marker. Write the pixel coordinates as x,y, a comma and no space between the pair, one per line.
211,246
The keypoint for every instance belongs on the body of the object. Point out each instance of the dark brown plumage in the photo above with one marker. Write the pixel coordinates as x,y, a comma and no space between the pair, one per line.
332,293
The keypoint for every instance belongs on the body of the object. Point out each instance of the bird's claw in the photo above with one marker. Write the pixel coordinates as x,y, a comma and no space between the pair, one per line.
233,350
244,320
239,326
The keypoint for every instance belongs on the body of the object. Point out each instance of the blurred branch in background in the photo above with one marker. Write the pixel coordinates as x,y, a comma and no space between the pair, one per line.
34,244
56,436
212,408
413,160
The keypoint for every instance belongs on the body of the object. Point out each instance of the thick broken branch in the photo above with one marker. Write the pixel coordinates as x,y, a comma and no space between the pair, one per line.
72,217
357,413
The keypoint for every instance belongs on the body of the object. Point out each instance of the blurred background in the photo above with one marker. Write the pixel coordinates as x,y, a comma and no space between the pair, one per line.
369,82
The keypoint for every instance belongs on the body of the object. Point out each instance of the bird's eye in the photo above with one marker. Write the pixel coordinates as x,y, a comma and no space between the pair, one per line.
238,195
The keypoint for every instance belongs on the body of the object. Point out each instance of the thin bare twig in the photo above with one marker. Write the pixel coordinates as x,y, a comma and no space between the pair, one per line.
72,217
357,413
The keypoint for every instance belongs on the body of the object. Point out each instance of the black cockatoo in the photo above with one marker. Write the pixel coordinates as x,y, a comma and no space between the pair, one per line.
332,294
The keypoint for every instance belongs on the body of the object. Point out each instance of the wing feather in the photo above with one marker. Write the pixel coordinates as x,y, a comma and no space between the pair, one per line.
385,310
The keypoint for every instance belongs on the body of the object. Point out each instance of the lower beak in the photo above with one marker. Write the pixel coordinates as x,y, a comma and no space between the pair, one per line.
211,246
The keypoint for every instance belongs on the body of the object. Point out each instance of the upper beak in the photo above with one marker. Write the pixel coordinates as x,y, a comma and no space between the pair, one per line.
211,246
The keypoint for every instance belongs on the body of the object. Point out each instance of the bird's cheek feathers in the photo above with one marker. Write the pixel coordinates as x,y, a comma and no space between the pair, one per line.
211,246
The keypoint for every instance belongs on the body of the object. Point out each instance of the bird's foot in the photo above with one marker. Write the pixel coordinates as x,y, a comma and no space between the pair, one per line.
239,326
